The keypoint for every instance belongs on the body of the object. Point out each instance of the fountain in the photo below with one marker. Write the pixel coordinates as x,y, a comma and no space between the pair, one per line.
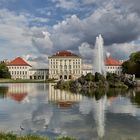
98,61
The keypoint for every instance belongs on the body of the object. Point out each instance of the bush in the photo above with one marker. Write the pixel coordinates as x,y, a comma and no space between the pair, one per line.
99,77
89,77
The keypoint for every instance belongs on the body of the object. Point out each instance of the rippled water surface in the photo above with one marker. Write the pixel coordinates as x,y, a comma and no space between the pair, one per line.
40,109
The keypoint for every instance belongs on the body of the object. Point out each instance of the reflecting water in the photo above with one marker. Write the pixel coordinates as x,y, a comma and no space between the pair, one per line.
41,109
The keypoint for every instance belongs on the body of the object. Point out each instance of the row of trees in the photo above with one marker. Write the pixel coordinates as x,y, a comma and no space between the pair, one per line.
132,66
4,71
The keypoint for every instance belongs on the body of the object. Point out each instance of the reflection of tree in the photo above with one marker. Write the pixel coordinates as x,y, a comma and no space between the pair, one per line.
135,97
99,94
3,91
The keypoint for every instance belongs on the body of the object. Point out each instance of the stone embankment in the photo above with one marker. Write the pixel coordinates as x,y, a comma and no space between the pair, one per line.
98,81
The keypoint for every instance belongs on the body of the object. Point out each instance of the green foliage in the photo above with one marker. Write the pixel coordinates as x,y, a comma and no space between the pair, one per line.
112,77
10,136
66,138
132,66
99,77
135,57
4,71
89,77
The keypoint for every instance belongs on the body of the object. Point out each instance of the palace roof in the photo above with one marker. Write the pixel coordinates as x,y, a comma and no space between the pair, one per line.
64,54
112,62
18,62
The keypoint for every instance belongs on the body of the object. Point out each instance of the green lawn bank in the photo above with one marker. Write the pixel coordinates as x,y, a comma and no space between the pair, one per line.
10,136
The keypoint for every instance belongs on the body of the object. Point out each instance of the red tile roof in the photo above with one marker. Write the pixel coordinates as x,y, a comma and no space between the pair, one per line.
17,96
110,61
65,53
18,62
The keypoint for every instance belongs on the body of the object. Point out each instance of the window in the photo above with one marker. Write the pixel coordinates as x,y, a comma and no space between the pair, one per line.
65,67
65,76
61,66
65,71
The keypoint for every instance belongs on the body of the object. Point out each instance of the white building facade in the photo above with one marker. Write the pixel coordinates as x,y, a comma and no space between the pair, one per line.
65,65
40,74
19,69
113,66
87,69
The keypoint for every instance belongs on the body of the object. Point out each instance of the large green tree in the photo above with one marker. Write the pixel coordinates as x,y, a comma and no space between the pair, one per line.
132,66
4,71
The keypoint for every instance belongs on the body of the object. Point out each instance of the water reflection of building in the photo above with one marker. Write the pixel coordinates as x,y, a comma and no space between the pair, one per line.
18,92
63,98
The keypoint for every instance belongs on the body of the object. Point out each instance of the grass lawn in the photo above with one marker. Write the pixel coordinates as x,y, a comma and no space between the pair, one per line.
24,81
10,136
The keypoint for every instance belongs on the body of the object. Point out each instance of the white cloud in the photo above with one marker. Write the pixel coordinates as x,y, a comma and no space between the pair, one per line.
12,32
86,52
66,4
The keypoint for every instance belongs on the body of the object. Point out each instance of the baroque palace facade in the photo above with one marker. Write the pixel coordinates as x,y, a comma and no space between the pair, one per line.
65,65
62,65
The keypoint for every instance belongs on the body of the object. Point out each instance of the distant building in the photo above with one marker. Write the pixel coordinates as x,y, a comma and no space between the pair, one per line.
113,66
87,69
65,65
19,68
41,74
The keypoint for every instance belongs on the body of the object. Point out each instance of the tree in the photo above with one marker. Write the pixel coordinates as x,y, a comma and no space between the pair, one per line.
4,71
132,66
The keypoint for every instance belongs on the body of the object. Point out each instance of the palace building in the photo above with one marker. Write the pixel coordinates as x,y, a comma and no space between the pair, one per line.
19,68
65,65
113,66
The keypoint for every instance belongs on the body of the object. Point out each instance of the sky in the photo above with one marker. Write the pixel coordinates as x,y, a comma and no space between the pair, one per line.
68,25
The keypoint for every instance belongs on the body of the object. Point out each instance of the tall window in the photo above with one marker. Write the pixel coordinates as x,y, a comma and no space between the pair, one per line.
61,66
65,67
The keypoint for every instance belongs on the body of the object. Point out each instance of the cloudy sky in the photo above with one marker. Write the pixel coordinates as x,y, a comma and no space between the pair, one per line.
68,25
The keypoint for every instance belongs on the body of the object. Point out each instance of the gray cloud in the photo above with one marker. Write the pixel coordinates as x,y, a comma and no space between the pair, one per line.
118,22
